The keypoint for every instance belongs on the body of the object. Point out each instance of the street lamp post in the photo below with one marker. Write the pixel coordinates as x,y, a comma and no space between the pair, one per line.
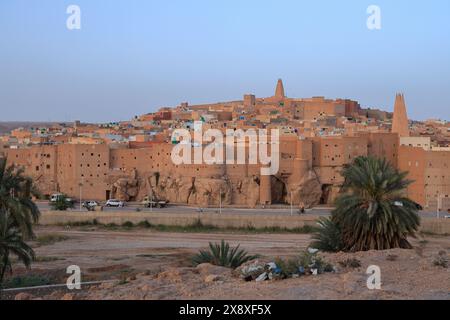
292,208
81,186
151,201
220,200
438,205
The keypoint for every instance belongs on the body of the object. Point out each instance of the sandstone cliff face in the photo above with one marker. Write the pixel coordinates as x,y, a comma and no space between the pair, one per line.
210,191
245,191
306,191
124,187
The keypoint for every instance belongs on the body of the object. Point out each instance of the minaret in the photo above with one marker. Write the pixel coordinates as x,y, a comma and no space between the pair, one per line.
400,122
279,92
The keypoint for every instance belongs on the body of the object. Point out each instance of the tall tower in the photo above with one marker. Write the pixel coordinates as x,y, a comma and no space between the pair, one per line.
400,121
279,92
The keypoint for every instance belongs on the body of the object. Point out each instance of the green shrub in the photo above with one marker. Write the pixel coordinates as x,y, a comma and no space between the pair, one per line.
223,255
47,259
50,238
328,236
26,281
288,267
310,261
128,224
144,224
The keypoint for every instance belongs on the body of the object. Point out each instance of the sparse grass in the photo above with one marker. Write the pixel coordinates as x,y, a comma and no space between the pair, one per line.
196,227
433,234
350,263
128,224
50,238
48,259
144,224
26,281
441,261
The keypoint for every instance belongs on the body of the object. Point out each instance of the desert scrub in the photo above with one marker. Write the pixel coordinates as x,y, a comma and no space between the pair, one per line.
26,281
305,263
195,227
50,238
128,224
441,260
311,260
48,259
350,263
287,267
223,255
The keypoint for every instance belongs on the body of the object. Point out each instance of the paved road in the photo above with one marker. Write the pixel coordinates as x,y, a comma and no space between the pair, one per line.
185,209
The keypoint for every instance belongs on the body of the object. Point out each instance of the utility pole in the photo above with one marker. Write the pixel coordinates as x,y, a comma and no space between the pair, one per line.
438,205
292,208
151,202
81,186
220,200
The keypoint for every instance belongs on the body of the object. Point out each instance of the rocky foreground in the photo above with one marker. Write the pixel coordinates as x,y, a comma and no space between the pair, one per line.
405,274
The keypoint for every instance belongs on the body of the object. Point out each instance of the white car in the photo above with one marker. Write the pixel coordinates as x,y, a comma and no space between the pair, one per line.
90,204
115,203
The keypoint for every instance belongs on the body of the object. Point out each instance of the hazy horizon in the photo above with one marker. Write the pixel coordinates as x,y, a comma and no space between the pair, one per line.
133,57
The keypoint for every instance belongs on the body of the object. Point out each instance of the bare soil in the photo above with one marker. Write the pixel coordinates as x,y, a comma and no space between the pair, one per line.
157,265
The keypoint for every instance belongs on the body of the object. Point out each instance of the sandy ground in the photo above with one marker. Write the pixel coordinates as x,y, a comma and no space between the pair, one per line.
156,265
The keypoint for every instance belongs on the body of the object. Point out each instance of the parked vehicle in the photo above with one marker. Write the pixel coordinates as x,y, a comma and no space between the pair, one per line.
54,197
90,205
115,203
154,203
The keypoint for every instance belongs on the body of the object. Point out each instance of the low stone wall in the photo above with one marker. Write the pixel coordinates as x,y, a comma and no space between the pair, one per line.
435,226
180,219
431,225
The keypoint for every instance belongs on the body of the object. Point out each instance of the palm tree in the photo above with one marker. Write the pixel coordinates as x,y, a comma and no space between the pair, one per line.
16,191
373,213
11,242
18,213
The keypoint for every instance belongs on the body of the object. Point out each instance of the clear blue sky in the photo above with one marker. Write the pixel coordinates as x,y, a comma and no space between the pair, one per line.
131,56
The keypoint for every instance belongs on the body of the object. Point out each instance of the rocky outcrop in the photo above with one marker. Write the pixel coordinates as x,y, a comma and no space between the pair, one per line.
125,189
245,191
305,192
200,191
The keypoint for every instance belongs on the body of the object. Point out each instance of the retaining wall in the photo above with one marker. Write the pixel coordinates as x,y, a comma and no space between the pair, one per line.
432,225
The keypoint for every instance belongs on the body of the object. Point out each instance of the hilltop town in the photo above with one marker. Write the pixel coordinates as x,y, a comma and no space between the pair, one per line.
132,159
